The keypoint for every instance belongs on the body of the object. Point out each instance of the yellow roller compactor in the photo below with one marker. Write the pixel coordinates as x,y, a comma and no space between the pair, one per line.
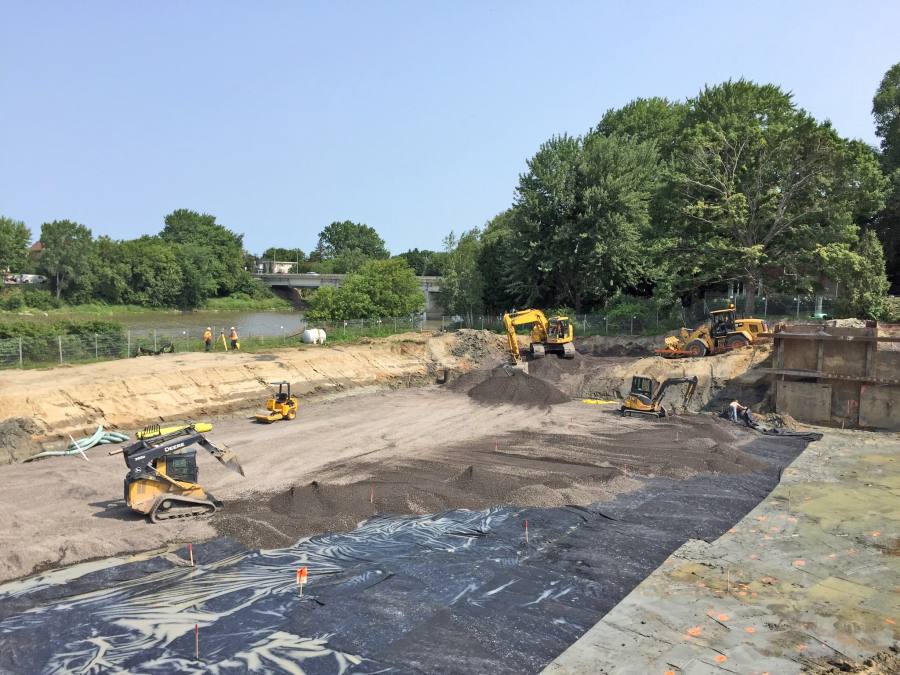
162,475
282,406
554,335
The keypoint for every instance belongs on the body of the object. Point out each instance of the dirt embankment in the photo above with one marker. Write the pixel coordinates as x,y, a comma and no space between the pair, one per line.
127,394
720,378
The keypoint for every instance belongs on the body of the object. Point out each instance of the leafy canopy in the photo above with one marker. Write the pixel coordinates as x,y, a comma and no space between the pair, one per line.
380,289
14,238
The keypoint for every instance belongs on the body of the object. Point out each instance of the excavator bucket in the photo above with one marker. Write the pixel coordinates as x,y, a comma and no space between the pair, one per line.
230,460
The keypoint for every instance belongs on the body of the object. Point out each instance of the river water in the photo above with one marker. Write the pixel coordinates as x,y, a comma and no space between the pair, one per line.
247,322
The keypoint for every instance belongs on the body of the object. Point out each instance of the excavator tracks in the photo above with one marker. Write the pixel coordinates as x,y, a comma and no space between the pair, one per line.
171,507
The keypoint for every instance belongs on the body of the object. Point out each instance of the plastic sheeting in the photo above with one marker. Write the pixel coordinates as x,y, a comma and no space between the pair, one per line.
457,592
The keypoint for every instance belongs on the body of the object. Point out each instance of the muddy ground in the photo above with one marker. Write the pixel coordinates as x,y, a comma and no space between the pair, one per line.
421,449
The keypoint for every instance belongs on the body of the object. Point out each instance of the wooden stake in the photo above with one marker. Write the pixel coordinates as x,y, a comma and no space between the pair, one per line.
197,641
191,553
372,495
526,531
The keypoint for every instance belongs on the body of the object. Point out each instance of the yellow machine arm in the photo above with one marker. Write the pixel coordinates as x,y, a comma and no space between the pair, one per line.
522,318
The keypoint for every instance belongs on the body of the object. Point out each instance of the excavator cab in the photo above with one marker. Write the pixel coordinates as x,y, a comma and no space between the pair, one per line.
642,388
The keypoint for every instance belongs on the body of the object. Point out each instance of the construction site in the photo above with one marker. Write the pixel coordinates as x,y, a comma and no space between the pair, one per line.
460,502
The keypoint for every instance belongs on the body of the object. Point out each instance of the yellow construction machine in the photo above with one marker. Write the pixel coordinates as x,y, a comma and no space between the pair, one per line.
282,406
646,395
162,475
723,332
554,335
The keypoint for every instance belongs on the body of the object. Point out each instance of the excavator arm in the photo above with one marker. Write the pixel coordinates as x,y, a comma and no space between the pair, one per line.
522,318
139,456
688,394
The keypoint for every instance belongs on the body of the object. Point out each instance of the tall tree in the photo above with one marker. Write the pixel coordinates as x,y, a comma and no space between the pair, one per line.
284,254
14,238
224,265
886,109
860,272
579,213
760,183
344,237
425,262
646,119
67,254
462,285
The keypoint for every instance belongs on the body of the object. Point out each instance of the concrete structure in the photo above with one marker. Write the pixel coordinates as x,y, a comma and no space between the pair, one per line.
840,376
430,286
811,574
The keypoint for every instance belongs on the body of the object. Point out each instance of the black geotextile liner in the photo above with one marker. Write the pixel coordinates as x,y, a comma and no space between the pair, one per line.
457,592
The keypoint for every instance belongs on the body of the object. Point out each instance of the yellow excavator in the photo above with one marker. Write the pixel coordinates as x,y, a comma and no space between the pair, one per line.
282,406
162,475
723,332
645,397
554,335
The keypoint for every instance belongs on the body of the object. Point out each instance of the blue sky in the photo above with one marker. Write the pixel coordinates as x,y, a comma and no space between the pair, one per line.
414,117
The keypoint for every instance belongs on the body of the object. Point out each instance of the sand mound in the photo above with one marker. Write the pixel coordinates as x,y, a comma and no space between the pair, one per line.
16,441
508,385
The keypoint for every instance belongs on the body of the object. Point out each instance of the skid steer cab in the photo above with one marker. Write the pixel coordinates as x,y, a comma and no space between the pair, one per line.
282,406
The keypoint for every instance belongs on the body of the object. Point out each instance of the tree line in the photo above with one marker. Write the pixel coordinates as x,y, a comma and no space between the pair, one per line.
671,199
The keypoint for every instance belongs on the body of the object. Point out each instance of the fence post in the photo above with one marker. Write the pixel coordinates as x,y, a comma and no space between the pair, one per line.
59,342
128,353
96,351
606,329
20,353
154,340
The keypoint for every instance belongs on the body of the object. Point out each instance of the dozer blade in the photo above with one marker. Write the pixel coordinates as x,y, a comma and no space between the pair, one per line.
268,418
230,460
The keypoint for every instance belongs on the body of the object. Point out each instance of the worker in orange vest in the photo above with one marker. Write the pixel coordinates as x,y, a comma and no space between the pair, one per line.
234,338
207,338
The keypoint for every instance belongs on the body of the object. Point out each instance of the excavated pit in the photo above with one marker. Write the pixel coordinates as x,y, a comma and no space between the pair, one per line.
525,469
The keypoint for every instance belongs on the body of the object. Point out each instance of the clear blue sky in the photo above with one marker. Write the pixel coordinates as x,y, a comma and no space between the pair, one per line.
414,117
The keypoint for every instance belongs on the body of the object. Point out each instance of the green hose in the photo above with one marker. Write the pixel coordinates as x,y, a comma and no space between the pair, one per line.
99,437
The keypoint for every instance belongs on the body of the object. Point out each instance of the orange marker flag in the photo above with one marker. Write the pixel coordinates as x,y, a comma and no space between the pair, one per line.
302,576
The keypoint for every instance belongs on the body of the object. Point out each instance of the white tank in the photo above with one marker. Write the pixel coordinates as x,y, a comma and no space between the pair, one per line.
314,336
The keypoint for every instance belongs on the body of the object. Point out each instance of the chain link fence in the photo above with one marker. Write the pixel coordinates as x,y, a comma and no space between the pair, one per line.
649,317
30,351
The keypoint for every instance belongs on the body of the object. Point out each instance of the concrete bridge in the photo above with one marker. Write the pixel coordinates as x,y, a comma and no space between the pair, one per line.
430,286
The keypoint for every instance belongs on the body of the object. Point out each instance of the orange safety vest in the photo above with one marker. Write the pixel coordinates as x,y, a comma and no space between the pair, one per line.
233,335
207,335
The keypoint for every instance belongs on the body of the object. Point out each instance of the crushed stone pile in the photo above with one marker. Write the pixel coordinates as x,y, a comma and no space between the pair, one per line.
478,345
16,441
508,385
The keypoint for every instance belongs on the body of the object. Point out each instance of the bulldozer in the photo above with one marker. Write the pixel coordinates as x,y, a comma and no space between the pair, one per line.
645,397
162,475
282,406
723,332
554,335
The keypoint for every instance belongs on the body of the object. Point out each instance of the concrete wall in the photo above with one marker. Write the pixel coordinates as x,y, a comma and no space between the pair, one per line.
851,382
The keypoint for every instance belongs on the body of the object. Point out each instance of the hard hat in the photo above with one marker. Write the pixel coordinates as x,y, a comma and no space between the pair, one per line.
208,328
232,328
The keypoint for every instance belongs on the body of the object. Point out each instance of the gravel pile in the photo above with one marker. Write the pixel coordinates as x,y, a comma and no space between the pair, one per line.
508,385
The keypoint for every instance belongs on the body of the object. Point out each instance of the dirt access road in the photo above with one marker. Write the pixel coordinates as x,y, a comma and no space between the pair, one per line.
421,449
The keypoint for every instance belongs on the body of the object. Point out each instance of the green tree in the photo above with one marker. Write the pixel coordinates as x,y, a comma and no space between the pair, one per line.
340,238
860,273
646,119
462,284
67,257
224,266
886,109
579,214
494,262
760,184
425,262
14,238
381,289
